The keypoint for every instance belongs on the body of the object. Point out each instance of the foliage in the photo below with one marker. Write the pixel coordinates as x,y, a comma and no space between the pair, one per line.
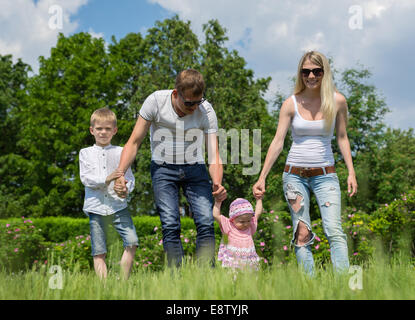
22,245
395,223
73,254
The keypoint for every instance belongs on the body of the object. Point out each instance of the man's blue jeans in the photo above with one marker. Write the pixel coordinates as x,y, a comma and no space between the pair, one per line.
327,191
194,180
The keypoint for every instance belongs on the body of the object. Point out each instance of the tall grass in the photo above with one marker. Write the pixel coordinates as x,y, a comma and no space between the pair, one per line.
381,280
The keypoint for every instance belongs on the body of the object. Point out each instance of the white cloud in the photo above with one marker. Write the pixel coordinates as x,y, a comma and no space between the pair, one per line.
280,31
29,29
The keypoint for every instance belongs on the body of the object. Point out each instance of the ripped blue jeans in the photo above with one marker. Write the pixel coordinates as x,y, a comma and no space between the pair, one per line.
327,191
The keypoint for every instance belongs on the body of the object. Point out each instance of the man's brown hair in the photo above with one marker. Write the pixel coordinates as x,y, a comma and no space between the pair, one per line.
190,79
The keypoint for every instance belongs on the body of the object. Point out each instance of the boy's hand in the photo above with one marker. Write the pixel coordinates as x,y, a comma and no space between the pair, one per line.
120,187
115,175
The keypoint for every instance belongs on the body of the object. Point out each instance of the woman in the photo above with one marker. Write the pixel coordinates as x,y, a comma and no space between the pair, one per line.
313,111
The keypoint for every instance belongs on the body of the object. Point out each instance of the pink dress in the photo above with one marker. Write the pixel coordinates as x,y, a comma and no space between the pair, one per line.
239,249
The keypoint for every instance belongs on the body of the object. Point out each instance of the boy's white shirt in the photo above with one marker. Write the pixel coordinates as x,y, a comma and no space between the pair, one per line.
95,164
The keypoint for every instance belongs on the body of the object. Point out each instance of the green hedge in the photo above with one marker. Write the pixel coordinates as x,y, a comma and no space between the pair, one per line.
59,229
27,242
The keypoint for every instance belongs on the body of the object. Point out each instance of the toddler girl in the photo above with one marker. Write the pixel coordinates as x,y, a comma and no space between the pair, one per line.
238,250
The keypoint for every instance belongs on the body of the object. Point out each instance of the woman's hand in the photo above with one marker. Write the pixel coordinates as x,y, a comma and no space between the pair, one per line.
351,185
259,188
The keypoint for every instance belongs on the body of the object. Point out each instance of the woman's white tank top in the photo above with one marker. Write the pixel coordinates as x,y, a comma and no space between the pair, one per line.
311,145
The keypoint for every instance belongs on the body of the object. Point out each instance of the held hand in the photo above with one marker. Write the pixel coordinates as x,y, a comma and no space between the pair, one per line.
351,185
219,192
115,175
120,187
259,189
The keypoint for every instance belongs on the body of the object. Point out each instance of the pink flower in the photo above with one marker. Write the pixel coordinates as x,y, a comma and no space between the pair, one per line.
318,239
155,228
288,227
262,244
317,246
7,225
285,248
160,242
17,230
272,211
265,260
355,254
186,240
17,249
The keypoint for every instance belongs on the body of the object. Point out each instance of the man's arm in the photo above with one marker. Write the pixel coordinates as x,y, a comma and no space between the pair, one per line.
130,149
129,153
215,166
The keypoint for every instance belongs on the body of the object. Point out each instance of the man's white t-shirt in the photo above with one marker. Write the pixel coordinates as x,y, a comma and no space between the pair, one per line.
174,139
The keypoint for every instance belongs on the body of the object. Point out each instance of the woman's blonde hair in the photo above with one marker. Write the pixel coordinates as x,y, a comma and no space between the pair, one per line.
328,105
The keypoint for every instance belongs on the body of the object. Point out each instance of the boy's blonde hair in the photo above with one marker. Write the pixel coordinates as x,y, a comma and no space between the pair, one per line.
328,105
103,114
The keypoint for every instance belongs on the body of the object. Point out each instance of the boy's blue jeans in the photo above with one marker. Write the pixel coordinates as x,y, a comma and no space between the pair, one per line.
194,179
327,191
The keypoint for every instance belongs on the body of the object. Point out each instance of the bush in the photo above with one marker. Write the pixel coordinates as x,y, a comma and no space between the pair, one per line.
22,244
395,224
73,253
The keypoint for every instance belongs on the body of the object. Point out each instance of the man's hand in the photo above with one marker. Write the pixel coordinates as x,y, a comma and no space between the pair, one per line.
120,187
219,192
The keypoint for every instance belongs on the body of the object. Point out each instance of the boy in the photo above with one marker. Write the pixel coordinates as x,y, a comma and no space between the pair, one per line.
98,166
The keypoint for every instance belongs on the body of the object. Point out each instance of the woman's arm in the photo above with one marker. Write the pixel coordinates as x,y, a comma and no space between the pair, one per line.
275,148
343,142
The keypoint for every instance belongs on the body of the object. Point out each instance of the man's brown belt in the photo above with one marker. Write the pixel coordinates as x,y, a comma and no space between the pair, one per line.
309,172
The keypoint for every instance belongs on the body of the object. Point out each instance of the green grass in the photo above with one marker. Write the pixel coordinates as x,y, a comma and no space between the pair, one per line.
381,280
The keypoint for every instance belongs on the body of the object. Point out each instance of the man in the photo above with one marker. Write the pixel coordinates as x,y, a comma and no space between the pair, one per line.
175,118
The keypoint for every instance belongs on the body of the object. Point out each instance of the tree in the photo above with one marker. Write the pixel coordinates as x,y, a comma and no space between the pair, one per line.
74,81
13,165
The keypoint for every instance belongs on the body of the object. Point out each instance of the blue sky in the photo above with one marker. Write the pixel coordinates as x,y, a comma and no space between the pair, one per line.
271,35
119,18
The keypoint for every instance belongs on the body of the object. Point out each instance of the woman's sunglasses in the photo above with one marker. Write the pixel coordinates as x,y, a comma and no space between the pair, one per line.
190,104
318,72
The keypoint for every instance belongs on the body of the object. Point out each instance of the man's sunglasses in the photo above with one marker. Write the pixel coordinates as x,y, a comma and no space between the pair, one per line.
191,103
318,72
